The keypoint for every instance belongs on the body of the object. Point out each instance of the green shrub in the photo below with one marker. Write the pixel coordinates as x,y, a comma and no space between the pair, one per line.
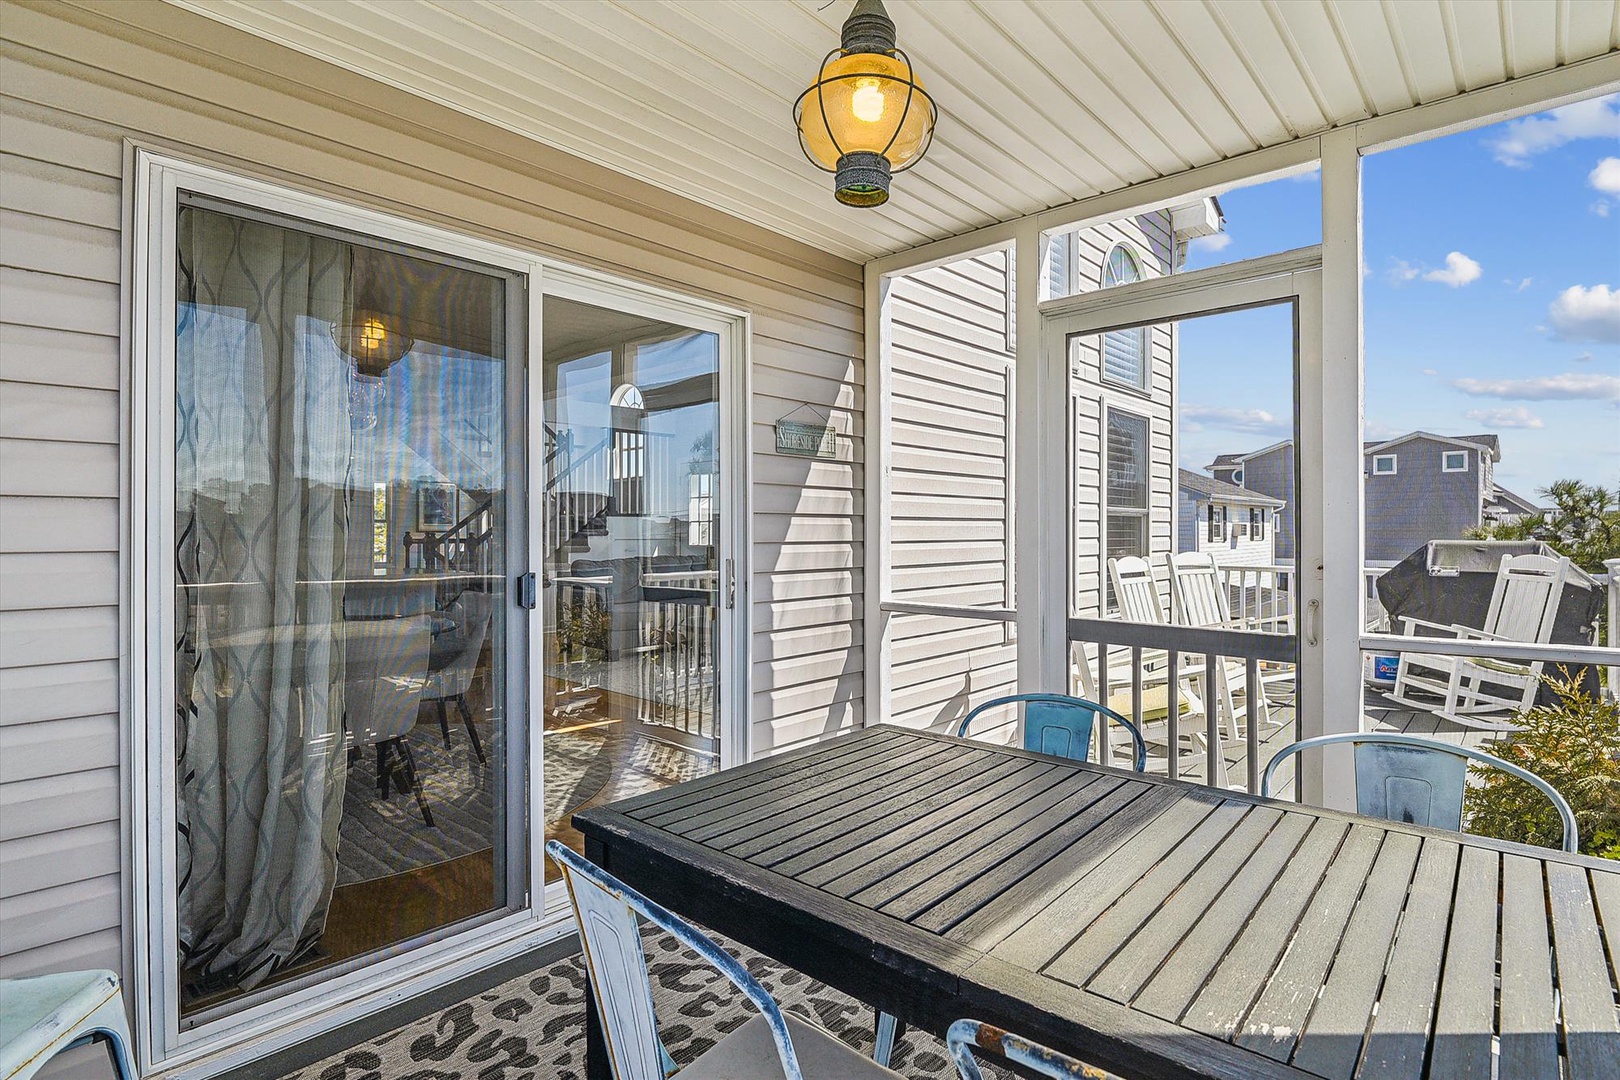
1574,745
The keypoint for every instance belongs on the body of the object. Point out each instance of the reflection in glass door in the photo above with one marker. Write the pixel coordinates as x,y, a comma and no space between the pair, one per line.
631,472
344,654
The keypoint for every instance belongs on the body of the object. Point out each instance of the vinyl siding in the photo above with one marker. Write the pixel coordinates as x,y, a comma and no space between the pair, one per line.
78,82
1273,474
1091,395
951,369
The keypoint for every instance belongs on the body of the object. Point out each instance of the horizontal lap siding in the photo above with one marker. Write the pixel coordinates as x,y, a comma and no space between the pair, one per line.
950,371
77,83
1149,236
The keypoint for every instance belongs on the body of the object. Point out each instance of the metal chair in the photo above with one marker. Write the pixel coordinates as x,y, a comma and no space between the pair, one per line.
44,1015
1419,781
1060,725
964,1034
770,1046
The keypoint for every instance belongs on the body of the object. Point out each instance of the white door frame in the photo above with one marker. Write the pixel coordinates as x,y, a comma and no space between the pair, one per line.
1046,560
147,741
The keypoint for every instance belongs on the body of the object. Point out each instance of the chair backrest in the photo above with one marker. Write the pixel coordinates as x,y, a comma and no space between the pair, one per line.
606,910
1135,591
456,676
1015,1048
1060,725
1419,781
1197,589
1524,603
385,671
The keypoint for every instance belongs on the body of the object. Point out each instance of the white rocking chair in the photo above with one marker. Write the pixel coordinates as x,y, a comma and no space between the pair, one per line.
1475,691
1137,595
1199,598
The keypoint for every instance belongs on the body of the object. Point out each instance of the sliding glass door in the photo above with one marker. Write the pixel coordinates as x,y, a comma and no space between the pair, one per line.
347,654
436,543
632,482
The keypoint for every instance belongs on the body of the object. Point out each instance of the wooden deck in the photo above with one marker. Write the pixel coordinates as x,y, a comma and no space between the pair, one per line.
1380,715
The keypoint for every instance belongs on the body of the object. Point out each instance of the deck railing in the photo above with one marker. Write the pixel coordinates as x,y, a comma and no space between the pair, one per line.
1168,656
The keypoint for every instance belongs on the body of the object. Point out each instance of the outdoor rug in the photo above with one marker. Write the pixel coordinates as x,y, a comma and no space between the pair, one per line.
533,1028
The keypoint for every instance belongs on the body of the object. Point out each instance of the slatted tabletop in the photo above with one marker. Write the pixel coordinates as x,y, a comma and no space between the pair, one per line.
1154,928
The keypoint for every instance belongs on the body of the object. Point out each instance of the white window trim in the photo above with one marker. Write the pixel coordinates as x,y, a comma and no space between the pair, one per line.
1393,464
1144,385
1237,477
1445,461
218,1046
1145,513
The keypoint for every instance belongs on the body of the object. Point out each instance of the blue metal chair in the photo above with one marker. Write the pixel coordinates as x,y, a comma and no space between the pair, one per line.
1419,781
44,1015
770,1046
1015,1048
1060,725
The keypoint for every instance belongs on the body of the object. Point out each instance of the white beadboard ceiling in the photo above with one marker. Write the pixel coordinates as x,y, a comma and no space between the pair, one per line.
1042,102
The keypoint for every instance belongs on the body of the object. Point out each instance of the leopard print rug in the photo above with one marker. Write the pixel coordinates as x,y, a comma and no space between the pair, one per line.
532,1028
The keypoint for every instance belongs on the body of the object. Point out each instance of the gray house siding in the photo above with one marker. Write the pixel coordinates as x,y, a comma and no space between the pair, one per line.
1272,473
1420,502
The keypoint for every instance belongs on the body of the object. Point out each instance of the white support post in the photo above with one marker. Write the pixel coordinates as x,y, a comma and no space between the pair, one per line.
1613,622
1041,512
878,481
1330,698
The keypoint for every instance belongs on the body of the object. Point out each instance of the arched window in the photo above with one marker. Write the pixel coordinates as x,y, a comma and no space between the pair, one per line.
1124,352
629,450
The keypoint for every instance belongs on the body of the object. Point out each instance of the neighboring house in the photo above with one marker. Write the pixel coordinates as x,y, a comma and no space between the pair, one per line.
1418,487
1234,524
1268,471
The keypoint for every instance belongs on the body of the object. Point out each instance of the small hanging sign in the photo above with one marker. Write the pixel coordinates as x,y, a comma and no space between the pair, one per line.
799,439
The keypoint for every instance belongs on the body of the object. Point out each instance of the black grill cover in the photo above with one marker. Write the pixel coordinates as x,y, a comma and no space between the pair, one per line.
1408,588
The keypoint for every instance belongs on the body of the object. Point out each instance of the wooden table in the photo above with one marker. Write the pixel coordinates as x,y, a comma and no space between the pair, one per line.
1151,927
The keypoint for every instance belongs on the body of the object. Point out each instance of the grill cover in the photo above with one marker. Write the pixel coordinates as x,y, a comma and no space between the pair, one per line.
1450,581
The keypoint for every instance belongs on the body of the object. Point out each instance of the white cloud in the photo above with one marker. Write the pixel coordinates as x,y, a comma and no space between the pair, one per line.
1520,285
1584,358
1516,417
1430,371
1606,177
1523,139
1570,386
1459,271
1586,314
1226,418
1400,271
1310,174
1600,208
1372,429
1214,242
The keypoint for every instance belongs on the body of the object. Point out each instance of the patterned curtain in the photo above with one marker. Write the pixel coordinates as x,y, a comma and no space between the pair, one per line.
263,448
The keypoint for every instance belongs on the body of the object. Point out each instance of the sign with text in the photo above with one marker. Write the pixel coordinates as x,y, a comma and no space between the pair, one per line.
806,440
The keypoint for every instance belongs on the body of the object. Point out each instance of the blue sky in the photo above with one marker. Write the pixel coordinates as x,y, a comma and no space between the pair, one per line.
1492,299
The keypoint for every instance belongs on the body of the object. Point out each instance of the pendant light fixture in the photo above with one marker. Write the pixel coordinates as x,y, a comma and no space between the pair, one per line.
867,115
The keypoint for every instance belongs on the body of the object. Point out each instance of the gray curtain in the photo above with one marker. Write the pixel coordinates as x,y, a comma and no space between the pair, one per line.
262,453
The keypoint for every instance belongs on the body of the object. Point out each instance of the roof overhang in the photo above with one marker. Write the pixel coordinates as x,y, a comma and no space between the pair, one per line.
1044,103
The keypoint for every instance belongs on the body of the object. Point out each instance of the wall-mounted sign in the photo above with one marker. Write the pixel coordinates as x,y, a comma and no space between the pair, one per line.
806,440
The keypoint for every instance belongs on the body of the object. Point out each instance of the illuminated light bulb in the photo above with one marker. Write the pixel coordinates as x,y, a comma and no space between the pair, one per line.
867,103
373,334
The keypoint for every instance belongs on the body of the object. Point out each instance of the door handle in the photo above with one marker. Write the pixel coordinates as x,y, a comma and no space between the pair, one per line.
731,583
1313,620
